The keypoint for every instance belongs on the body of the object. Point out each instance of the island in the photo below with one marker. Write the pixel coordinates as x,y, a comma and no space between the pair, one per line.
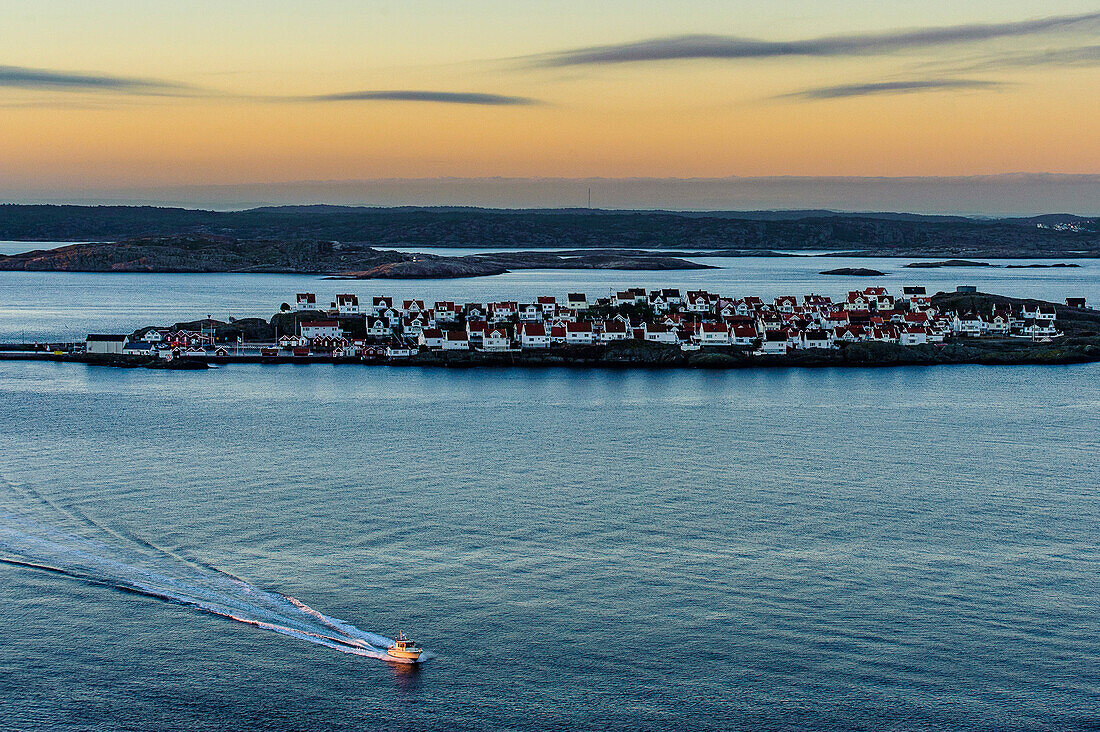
948,263
663,328
209,253
853,272
1040,266
734,233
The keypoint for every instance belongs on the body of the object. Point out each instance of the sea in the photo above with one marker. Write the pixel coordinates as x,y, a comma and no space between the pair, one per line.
65,306
909,548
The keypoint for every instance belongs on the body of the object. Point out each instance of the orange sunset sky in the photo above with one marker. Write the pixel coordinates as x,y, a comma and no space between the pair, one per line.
112,93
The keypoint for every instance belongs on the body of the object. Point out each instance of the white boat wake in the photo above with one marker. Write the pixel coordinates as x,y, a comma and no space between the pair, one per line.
113,559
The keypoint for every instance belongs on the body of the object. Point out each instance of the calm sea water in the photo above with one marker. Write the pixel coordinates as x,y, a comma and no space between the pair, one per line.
890,549
39,306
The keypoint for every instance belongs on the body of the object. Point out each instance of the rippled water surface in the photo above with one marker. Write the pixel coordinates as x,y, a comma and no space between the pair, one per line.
41,306
908,548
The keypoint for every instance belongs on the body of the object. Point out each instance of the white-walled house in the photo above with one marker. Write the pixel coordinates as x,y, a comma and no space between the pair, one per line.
533,335
816,338
714,334
579,333
496,339
456,340
430,338
775,342
445,312
530,313
305,301
320,329
967,324
576,301
657,333
347,305
743,335
913,335
378,327
613,330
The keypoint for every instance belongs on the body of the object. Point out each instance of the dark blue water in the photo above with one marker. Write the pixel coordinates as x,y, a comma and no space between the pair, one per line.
909,548
50,306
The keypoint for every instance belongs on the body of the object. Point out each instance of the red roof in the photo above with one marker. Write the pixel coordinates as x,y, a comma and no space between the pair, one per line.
533,329
457,335
320,324
580,326
432,333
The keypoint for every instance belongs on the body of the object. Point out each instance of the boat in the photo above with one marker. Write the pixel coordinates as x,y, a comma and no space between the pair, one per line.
404,648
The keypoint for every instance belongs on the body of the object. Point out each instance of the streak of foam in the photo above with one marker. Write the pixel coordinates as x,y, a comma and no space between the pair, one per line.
136,565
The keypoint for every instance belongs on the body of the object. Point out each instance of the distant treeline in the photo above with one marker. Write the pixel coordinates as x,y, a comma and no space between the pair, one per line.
886,234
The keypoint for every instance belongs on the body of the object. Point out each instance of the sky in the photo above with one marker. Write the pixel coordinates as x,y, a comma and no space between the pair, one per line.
120,95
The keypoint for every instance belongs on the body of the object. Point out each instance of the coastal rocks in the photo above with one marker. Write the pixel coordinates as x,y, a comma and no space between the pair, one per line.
948,263
854,272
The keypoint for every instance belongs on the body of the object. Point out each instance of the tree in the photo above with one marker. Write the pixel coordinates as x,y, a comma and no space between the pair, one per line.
284,308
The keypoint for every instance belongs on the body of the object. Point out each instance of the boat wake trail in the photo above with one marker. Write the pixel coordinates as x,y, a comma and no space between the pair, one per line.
113,559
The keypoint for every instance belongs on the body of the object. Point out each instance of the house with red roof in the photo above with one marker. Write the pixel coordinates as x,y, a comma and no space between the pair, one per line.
430,338
579,333
456,339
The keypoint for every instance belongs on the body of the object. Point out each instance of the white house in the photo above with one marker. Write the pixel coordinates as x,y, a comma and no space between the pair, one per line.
378,327
446,312
496,339
625,297
579,333
104,343
456,339
347,305
967,324
576,301
530,313
657,333
533,335
430,338
913,335
774,343
743,335
380,304
816,338
320,329
714,334
138,348
613,330
548,304
306,301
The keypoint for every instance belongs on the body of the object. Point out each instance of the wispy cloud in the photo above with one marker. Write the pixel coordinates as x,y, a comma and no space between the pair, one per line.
21,77
731,47
407,95
52,81
1073,56
891,87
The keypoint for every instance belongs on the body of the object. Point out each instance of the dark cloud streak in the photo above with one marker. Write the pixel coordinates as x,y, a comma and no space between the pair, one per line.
891,87
1074,56
730,47
401,95
21,77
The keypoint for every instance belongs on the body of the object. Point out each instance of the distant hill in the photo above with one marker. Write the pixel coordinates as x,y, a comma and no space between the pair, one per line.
888,234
